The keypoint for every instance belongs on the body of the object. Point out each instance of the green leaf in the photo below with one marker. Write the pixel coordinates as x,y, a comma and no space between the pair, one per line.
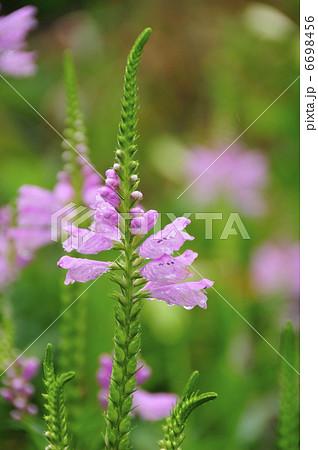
175,424
57,429
288,421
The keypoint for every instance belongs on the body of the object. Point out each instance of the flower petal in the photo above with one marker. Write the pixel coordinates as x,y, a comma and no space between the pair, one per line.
167,269
144,372
86,241
81,269
166,241
188,295
153,407
144,222
109,195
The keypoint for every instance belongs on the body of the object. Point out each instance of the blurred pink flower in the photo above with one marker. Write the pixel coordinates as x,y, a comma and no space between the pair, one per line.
275,269
17,388
35,206
238,175
13,31
147,405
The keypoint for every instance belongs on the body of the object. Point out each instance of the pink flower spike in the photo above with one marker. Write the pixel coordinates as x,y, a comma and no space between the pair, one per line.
143,223
82,270
166,241
169,270
188,295
153,407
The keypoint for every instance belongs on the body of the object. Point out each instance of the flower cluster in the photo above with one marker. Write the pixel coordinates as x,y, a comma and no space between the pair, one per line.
18,390
238,175
13,31
275,269
149,406
164,272
35,206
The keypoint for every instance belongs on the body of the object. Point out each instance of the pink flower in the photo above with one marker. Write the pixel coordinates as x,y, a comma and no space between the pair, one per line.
147,405
105,212
238,175
275,269
18,388
91,183
64,191
88,242
143,222
13,31
153,406
82,270
35,207
168,269
110,196
166,241
187,294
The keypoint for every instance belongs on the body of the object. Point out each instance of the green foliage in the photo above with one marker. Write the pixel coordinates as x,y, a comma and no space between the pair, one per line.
75,142
174,426
127,136
72,347
55,417
6,334
73,322
129,299
288,424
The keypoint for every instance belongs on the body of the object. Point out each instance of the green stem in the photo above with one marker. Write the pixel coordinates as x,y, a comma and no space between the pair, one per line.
6,334
128,308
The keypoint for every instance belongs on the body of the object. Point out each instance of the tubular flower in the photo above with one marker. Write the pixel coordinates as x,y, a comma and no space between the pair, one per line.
13,31
18,390
164,272
82,270
149,406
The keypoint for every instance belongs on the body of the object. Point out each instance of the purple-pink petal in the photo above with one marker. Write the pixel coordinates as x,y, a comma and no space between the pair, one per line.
15,26
141,224
167,269
27,240
109,195
86,241
102,397
64,191
30,368
17,63
143,372
155,406
82,270
188,295
166,241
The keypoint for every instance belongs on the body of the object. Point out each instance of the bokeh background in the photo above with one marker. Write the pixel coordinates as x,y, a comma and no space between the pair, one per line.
209,70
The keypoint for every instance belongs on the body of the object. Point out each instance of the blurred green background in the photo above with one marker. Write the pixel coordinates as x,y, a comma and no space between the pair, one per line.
209,69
